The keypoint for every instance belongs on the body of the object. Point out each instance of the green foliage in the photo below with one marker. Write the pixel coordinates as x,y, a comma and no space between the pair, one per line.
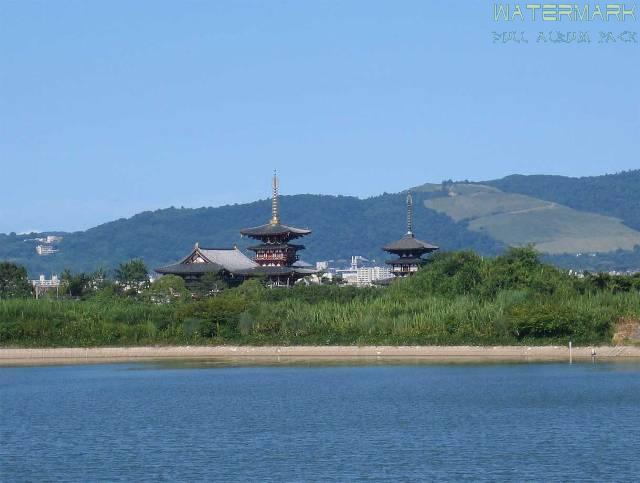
83,284
457,298
217,315
604,282
13,281
209,284
75,285
516,219
561,320
619,260
132,276
90,322
167,290
615,195
447,273
466,273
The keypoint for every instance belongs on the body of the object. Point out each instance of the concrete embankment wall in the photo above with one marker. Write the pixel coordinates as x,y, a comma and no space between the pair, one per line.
16,356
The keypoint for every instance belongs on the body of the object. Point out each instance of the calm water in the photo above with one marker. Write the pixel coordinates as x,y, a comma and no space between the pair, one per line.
324,423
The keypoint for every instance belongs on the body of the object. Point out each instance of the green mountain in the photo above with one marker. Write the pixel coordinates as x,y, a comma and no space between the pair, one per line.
616,195
342,226
583,223
516,220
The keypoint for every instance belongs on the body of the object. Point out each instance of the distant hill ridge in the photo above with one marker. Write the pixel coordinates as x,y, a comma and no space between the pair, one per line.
558,214
517,219
616,195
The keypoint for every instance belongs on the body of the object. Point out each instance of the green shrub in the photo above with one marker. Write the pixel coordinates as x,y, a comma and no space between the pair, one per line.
457,298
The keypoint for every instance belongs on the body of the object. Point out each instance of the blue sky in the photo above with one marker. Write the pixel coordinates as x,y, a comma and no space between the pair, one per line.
111,108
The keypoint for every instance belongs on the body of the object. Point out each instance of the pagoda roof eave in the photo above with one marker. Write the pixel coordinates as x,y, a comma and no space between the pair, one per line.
275,271
276,246
406,261
191,268
274,229
409,243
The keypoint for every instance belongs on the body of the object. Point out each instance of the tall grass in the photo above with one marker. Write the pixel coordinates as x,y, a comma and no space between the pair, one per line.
435,319
84,323
459,298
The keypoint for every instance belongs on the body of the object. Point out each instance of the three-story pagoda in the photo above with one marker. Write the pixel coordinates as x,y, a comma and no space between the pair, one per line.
275,255
408,249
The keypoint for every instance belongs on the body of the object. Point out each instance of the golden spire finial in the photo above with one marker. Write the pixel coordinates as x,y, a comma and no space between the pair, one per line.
409,214
275,215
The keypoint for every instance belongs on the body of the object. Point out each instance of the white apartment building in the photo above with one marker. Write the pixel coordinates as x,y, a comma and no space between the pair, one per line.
367,275
44,250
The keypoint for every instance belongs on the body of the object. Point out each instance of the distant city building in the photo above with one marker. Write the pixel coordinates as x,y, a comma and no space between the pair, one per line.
50,239
408,249
349,275
42,285
368,275
363,276
44,250
322,265
47,244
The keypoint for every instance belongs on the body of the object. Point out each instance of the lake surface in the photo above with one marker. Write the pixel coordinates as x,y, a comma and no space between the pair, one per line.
186,422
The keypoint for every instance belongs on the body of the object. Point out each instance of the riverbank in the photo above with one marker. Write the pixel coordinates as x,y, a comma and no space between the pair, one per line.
457,299
249,354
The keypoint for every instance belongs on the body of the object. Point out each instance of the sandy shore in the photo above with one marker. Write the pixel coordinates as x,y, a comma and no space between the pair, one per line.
11,357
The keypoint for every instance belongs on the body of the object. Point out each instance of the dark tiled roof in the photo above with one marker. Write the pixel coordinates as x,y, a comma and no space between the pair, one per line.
273,229
275,246
405,261
216,259
231,259
282,271
190,268
409,243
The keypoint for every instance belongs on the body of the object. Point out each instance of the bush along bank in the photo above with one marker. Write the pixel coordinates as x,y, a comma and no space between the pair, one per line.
457,298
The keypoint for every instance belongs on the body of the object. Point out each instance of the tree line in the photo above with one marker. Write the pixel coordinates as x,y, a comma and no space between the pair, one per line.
456,298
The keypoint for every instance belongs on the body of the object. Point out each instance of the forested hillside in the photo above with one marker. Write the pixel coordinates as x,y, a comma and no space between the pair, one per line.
342,226
611,194
516,220
515,210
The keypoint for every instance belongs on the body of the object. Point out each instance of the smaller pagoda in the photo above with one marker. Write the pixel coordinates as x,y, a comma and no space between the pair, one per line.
276,257
408,250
